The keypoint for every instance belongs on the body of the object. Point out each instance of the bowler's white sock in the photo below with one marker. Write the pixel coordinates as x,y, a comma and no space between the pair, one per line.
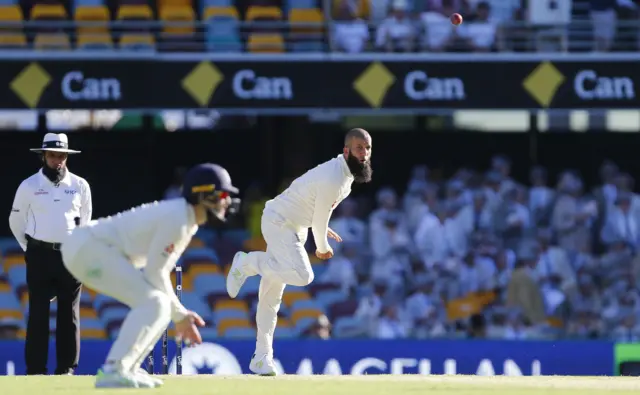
139,330
269,299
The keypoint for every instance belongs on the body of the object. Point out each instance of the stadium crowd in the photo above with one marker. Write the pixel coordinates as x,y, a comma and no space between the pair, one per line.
482,255
351,26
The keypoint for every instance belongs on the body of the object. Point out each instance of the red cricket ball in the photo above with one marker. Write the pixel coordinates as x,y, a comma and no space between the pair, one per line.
456,19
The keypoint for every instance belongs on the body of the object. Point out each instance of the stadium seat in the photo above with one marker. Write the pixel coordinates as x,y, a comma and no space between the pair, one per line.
96,20
113,314
135,12
329,297
9,246
216,3
9,306
220,11
174,3
223,34
291,4
13,260
137,42
265,43
48,12
342,309
223,314
51,41
89,3
8,2
199,268
284,332
231,304
88,312
240,333
17,276
195,303
363,11
196,242
198,254
304,323
349,327
298,315
183,16
92,329
5,286
305,304
94,41
235,237
11,13
258,13
250,286
307,25
226,324
288,298
205,284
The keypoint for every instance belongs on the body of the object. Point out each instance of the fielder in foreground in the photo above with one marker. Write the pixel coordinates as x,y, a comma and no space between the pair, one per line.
286,219
106,255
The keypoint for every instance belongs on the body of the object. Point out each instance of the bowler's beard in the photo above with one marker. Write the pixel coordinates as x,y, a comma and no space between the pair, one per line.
55,175
361,171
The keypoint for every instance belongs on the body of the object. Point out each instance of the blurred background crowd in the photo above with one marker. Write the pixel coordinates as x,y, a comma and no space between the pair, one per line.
482,255
351,26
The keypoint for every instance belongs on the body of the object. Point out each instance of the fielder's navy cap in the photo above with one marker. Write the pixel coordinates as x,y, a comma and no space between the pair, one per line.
208,177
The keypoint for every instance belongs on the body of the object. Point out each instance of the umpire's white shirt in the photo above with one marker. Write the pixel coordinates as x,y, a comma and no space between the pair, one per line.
312,197
152,236
46,211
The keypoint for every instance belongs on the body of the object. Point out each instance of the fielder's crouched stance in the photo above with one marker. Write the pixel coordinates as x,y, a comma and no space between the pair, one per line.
106,255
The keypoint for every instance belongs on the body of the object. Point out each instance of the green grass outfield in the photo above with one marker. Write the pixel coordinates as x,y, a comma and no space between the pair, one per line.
334,385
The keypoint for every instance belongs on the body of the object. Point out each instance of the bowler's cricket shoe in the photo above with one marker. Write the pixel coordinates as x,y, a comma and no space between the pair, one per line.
236,276
143,375
107,377
262,365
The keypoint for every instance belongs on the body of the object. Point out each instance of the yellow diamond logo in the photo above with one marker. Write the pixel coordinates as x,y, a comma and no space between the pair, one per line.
374,83
30,84
543,83
202,81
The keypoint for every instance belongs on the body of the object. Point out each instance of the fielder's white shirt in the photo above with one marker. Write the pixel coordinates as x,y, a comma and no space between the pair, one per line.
46,211
152,236
312,197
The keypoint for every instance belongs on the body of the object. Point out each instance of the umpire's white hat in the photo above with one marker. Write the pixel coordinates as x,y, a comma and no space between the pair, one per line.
56,143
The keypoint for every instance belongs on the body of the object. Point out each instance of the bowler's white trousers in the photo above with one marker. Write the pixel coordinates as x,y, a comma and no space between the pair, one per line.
285,262
106,270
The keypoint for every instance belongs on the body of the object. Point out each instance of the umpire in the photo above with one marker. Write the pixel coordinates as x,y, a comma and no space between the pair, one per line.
47,206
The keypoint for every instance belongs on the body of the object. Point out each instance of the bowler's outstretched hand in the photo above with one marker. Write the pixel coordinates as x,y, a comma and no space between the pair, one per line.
333,235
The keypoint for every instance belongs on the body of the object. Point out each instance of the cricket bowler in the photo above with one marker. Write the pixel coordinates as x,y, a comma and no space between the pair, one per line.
106,255
286,219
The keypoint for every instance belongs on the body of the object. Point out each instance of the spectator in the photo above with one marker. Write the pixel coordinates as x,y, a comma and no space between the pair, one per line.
523,292
350,33
480,33
391,326
396,33
351,228
604,18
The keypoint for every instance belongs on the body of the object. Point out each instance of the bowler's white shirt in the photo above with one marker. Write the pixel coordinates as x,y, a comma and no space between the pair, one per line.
46,211
152,236
311,198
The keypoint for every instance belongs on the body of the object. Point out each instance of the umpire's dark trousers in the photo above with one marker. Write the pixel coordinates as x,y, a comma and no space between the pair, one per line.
47,277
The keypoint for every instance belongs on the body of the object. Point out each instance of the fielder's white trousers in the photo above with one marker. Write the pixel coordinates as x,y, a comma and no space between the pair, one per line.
106,270
285,262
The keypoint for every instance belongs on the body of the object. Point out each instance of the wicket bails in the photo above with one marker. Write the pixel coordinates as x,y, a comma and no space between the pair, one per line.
165,339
